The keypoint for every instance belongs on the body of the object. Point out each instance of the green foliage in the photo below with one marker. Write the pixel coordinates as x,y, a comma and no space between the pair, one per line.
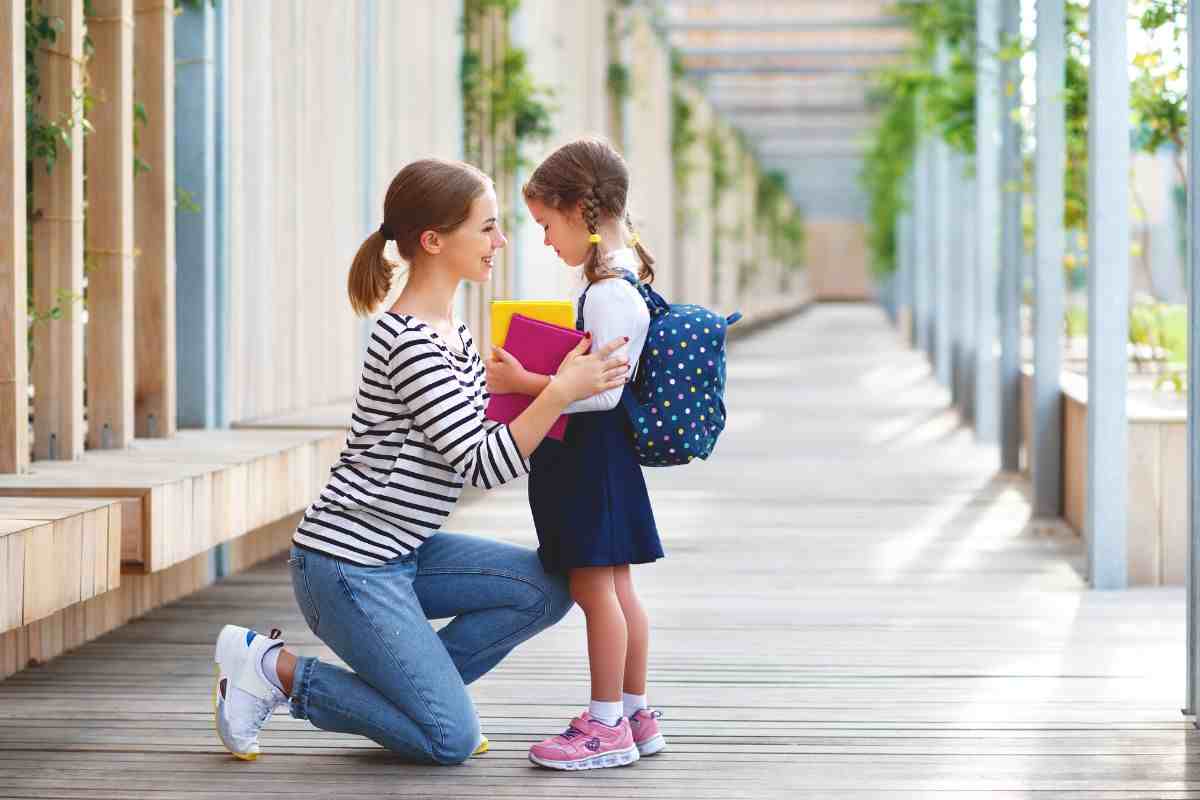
502,93
1159,335
186,201
889,159
722,178
683,138
948,110
1076,322
1075,107
139,118
620,81
1158,93
44,136
783,222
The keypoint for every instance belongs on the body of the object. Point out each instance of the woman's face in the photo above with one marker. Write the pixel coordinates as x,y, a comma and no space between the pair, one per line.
565,232
470,248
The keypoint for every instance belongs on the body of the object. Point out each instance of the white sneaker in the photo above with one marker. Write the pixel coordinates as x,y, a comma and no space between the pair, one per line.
243,697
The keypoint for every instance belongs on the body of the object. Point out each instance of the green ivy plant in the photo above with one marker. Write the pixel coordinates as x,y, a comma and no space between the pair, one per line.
683,138
43,139
783,221
506,89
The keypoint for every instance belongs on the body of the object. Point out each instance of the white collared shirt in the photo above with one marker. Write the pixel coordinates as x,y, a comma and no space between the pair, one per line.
613,309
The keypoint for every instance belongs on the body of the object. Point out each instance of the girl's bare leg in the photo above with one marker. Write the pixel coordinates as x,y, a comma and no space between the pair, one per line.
637,624
594,590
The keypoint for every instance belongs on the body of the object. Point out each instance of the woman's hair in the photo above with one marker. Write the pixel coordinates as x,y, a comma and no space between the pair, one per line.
590,173
427,195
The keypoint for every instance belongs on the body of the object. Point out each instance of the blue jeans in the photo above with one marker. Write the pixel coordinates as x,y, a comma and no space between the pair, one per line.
408,690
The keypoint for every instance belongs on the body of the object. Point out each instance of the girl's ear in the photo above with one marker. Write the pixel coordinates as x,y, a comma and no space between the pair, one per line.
431,243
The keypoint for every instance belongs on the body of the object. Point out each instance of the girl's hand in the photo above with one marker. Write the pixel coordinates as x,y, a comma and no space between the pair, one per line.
580,376
505,375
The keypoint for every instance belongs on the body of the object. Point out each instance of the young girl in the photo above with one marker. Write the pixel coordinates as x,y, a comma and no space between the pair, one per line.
587,493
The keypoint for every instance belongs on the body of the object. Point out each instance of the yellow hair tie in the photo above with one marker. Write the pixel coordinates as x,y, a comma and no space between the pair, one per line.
594,238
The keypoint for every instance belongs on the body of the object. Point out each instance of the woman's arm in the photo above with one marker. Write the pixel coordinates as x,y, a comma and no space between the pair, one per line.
578,376
616,313
443,410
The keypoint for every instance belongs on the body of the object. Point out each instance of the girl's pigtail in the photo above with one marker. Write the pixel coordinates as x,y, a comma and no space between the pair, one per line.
646,275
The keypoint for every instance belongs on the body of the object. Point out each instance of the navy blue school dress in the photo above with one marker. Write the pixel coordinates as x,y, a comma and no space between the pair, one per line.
588,496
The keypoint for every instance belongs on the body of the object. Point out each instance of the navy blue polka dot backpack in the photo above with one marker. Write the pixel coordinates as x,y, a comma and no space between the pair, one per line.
676,402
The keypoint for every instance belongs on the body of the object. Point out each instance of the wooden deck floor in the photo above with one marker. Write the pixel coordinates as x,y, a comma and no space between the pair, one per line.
852,606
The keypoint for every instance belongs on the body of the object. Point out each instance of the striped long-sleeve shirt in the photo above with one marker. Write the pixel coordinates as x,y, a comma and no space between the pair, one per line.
418,434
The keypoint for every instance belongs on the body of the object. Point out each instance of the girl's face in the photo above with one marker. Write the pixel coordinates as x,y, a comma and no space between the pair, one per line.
565,232
469,249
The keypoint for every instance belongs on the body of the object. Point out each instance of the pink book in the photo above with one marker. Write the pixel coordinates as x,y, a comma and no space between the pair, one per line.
540,347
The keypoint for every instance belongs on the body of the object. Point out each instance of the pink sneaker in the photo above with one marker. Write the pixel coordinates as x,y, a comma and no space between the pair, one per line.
646,733
587,744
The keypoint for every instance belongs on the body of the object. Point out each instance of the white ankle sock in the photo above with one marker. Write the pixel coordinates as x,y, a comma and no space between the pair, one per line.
633,703
269,661
607,712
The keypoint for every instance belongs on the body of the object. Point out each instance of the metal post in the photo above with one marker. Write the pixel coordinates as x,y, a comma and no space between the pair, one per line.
956,276
914,227
922,233
1050,119
1108,295
195,231
988,96
941,247
968,270
1193,281
900,280
1012,250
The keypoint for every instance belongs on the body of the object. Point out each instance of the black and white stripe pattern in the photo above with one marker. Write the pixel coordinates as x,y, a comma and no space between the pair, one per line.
417,434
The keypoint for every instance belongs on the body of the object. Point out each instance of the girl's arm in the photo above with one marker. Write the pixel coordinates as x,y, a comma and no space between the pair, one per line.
614,309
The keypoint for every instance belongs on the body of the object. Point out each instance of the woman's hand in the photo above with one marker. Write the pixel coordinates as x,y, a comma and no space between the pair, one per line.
580,376
505,375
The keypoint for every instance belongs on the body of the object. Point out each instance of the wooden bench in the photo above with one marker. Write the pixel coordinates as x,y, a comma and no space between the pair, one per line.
159,506
56,553
187,494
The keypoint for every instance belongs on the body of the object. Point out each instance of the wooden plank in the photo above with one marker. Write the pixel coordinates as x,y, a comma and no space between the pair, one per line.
68,540
154,221
58,245
810,637
12,587
48,508
94,529
8,526
118,514
41,597
1143,544
110,331
14,365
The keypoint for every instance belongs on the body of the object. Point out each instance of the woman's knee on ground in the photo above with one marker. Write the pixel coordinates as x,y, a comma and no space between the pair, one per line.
456,739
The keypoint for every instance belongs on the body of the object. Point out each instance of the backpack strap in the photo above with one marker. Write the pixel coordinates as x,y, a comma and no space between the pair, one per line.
626,274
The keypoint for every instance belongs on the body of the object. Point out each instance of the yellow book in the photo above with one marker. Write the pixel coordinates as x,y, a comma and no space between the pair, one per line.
556,312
